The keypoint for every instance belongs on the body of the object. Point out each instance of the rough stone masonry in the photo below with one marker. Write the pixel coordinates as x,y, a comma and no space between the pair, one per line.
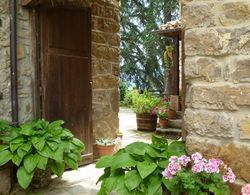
217,70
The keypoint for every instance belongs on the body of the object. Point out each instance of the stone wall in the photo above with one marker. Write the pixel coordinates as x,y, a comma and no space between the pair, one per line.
217,70
105,63
105,66
24,63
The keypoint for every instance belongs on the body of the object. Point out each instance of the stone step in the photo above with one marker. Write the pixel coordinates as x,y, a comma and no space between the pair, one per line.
169,133
179,114
177,123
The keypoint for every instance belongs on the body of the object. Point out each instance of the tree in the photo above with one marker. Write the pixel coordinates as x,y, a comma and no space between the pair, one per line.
141,50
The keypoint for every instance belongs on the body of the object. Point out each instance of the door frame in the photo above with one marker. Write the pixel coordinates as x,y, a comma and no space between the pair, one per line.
37,87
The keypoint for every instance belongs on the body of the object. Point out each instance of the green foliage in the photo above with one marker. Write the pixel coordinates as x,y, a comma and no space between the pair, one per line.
141,50
137,168
105,141
145,103
196,184
37,144
130,97
123,90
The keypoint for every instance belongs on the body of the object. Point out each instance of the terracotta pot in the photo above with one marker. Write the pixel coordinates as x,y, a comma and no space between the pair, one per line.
105,150
163,123
146,122
172,114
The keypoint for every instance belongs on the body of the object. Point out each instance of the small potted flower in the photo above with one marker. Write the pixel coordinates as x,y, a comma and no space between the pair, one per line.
162,113
105,146
172,112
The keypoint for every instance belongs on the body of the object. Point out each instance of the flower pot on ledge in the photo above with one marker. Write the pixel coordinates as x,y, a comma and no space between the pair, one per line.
163,123
105,150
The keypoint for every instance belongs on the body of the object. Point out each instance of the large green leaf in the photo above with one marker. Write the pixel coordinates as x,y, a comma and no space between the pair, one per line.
155,185
17,140
138,148
122,160
105,175
78,143
152,152
159,142
26,147
132,179
105,161
57,168
21,153
46,152
27,129
74,156
38,143
42,161
5,156
16,159
53,145
30,162
55,125
145,168
58,155
3,147
14,146
176,148
70,162
24,177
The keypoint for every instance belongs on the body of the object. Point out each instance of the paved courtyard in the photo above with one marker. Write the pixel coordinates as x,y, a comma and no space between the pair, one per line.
83,181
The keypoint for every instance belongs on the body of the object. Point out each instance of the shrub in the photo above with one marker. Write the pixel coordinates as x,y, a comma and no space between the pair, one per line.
130,97
137,168
36,145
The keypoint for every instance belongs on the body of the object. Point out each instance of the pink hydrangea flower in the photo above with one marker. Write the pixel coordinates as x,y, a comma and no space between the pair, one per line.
245,190
197,168
173,159
167,174
184,160
174,167
229,176
196,157
213,165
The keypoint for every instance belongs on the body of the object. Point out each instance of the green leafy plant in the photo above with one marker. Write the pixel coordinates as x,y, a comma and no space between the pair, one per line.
130,97
145,103
39,144
137,168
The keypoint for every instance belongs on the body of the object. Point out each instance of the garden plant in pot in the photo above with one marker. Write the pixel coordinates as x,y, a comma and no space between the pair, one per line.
162,113
143,106
171,111
105,146
37,148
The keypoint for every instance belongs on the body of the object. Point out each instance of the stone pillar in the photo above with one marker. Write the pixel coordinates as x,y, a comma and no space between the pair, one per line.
105,67
217,70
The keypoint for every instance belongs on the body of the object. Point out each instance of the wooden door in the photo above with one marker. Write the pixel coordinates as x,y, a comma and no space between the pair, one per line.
65,67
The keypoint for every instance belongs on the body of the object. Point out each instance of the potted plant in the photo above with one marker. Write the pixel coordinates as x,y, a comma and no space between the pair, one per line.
40,146
197,175
143,105
162,113
105,146
137,168
171,111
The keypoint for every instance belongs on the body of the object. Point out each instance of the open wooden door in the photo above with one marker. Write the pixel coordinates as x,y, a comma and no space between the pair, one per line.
66,70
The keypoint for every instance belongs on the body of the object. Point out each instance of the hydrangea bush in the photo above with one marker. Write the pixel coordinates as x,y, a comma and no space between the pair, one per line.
245,190
197,175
